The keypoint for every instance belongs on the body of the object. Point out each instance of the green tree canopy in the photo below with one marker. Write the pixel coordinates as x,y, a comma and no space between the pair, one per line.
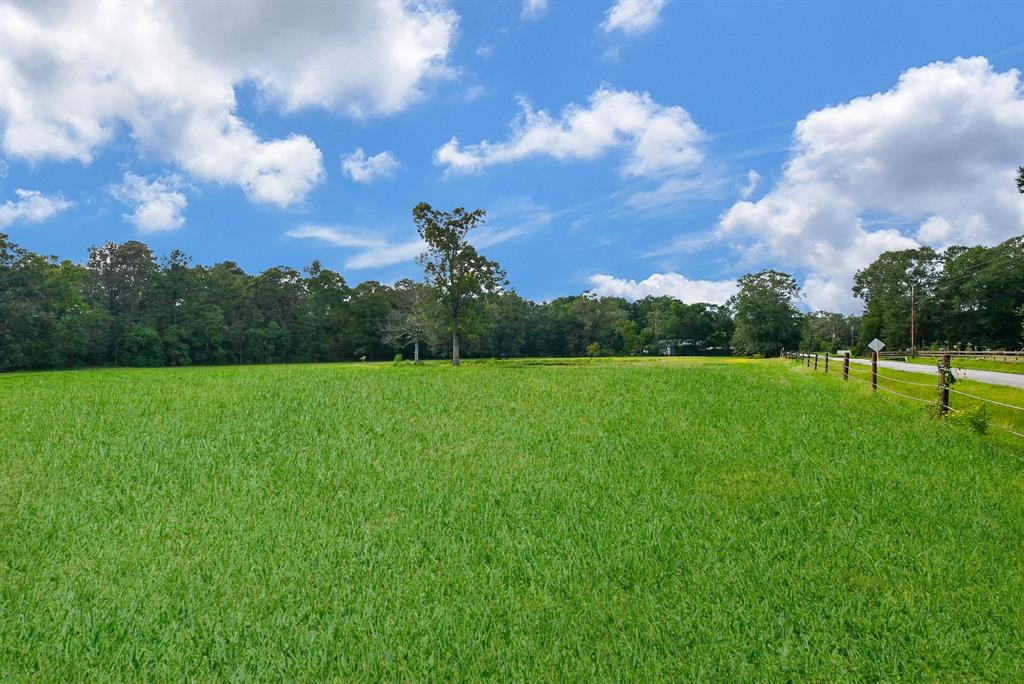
460,277
766,318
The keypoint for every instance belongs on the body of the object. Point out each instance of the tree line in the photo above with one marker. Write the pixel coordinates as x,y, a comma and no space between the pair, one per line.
126,307
963,297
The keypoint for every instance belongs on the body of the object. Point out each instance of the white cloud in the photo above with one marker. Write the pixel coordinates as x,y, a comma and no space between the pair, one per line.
534,9
334,236
75,73
660,139
936,153
633,17
363,169
387,254
512,218
374,252
664,285
753,180
31,206
158,204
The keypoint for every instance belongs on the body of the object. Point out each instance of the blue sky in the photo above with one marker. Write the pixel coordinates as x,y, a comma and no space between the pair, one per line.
640,149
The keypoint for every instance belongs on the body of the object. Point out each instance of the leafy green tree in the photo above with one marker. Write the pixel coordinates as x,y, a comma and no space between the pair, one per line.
326,311
506,329
230,311
460,277
977,295
120,280
827,331
140,345
766,317
370,309
628,333
885,286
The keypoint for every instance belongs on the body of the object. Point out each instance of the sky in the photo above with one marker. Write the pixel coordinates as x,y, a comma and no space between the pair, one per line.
625,147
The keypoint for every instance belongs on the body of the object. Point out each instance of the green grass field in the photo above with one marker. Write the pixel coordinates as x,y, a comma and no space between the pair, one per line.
921,392
714,519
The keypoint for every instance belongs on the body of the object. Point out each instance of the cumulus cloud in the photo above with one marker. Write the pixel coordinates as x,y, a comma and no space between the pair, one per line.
633,17
31,206
664,285
76,73
534,9
929,161
363,169
660,139
158,204
374,251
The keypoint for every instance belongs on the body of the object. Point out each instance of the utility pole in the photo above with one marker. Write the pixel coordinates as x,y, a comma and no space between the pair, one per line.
913,346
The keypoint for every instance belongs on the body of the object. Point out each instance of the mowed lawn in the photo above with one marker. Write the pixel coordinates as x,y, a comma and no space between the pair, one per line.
720,520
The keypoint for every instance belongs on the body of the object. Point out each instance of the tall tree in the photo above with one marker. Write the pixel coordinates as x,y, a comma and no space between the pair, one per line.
120,280
325,311
460,277
412,320
766,317
886,285
827,331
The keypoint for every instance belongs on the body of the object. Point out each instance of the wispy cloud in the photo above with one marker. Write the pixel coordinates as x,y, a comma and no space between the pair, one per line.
375,252
387,254
753,180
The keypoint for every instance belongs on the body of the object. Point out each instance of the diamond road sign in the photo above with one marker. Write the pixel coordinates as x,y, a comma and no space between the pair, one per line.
876,345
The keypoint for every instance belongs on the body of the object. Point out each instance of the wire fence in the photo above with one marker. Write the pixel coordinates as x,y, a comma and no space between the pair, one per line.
976,355
940,390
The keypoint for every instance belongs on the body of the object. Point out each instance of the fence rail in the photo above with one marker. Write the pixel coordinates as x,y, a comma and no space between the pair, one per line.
1008,356
871,377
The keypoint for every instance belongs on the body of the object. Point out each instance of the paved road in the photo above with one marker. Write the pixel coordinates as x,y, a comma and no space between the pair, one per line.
991,377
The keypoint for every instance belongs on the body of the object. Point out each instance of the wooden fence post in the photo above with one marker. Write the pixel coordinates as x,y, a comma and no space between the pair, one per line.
874,370
815,362
826,363
808,360
846,366
944,385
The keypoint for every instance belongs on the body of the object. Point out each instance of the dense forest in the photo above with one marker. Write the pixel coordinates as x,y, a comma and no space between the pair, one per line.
124,306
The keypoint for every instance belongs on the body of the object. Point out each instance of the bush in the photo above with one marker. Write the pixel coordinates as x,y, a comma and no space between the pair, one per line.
975,417
398,358
593,349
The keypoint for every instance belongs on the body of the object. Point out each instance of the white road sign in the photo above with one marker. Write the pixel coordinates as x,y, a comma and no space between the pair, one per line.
876,345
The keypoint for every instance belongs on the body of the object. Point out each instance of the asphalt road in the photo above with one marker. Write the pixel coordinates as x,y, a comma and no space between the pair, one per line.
991,377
